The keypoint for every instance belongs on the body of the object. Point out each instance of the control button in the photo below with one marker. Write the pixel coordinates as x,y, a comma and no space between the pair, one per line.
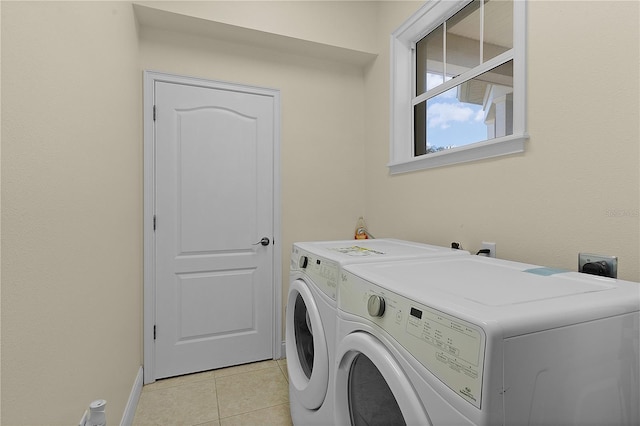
376,305
303,261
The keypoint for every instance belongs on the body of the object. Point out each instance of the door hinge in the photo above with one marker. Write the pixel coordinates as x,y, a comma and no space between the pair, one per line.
154,222
154,332
154,113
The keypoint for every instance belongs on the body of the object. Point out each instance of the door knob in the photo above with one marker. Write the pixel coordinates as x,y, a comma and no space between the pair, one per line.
264,241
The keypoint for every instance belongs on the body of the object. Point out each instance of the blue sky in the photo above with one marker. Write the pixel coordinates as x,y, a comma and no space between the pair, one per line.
451,123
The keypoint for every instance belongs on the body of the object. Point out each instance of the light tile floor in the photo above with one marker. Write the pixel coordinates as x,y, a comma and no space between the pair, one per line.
250,394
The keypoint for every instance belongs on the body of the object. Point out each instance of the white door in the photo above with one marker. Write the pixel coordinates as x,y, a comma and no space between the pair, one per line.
214,186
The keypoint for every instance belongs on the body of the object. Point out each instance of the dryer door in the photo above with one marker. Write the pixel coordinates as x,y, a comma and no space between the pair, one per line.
371,388
306,347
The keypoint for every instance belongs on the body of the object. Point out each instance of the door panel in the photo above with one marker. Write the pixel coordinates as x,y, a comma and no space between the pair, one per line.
204,225
206,315
214,200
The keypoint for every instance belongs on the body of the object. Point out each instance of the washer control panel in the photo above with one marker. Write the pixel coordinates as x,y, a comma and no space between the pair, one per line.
375,305
323,272
449,347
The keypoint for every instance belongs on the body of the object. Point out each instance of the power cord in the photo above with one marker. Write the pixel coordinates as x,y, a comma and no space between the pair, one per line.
457,246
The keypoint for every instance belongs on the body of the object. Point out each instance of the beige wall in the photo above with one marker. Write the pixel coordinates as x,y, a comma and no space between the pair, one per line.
322,124
71,210
575,189
346,24
322,146
72,167
72,185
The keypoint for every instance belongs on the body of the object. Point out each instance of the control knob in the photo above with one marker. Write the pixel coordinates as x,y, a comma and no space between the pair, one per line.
375,305
304,260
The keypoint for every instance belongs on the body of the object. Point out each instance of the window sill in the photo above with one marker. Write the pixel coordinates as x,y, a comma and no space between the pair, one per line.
488,149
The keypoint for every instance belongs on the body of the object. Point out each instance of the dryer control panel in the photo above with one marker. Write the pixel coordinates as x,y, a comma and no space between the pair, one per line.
323,272
450,348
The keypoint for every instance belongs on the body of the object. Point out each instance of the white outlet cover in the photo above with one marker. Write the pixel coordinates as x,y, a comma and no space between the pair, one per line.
490,246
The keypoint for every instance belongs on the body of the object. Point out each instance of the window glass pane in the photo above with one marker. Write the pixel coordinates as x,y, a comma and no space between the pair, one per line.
463,40
476,110
498,28
430,61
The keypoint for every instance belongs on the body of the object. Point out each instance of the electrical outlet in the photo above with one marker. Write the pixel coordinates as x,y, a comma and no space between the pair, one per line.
491,247
611,261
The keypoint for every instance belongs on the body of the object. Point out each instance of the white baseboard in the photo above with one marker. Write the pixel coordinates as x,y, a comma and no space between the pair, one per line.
132,403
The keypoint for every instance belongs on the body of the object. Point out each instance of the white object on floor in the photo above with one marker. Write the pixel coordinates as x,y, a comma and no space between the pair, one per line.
97,415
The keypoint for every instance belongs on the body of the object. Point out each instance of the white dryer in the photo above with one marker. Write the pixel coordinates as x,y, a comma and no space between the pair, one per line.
316,268
481,341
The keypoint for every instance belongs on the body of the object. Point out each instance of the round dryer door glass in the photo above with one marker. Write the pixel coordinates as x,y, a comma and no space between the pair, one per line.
370,399
304,336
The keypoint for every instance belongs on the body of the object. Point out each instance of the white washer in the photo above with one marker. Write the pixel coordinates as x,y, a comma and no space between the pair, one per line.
311,314
480,341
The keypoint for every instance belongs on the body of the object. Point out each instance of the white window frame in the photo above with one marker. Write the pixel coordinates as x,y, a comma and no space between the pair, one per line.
403,41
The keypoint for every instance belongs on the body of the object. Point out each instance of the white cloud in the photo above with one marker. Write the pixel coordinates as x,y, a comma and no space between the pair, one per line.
442,114
433,80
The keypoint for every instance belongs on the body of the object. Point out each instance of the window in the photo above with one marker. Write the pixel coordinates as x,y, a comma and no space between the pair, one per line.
458,84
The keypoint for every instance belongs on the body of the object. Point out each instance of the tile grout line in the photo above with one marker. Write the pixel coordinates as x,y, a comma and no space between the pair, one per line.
251,411
217,400
286,377
187,381
279,367
213,377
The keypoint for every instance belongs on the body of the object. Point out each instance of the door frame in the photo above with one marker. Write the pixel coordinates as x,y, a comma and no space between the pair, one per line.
149,283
